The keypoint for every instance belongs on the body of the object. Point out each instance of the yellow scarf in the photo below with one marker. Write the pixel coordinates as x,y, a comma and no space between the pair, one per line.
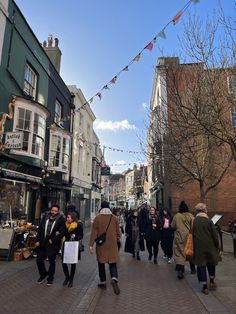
70,226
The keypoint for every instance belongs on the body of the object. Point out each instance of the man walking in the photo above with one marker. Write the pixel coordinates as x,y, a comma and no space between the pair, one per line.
48,243
107,252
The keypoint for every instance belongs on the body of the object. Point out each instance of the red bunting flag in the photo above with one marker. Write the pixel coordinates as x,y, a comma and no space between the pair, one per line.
99,95
149,46
177,17
113,80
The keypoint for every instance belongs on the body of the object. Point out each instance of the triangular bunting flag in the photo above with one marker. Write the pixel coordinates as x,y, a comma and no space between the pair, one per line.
91,100
195,1
149,46
126,68
154,40
105,87
177,17
113,80
99,95
137,58
162,34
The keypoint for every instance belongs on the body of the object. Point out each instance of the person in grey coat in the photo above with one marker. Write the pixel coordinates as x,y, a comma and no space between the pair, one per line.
206,247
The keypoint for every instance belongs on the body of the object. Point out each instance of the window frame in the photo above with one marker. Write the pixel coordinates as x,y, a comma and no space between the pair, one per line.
31,69
62,137
231,88
58,117
233,116
33,110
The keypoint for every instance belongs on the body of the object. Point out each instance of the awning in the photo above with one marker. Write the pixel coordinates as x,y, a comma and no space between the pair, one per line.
20,176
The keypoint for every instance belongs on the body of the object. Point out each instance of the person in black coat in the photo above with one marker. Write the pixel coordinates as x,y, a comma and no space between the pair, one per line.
167,234
48,243
153,228
74,232
134,232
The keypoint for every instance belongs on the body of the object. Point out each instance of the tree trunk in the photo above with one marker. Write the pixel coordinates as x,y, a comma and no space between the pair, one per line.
202,192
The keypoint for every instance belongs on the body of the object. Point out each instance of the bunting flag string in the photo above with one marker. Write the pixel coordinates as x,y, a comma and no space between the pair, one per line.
126,164
148,47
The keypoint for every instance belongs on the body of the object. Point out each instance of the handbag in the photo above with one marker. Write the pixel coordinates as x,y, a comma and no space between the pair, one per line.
188,248
102,237
70,252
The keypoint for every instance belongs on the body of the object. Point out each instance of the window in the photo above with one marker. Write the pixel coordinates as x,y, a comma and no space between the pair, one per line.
33,125
58,113
30,81
233,116
59,151
231,84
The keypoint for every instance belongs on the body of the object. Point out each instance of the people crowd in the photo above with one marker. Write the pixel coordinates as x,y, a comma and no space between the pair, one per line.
132,230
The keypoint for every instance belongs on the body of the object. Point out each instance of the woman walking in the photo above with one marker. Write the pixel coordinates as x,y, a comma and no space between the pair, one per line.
166,234
181,225
134,235
74,232
206,248
153,233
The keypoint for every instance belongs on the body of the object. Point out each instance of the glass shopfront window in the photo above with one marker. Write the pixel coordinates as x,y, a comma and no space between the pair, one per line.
13,199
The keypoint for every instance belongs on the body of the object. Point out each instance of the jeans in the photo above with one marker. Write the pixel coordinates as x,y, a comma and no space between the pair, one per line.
66,271
41,256
202,273
102,271
154,245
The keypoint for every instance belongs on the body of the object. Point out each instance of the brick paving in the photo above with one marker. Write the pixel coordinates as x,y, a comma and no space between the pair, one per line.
145,288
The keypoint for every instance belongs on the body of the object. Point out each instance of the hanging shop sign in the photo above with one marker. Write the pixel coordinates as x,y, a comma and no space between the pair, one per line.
13,140
105,171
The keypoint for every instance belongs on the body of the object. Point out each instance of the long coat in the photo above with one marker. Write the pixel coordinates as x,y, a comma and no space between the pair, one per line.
205,241
181,224
57,232
150,233
129,245
108,251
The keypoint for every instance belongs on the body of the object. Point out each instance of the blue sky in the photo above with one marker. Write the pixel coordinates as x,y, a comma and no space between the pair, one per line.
97,40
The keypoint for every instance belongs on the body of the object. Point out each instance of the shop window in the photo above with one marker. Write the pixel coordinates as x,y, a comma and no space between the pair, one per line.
33,125
30,81
59,152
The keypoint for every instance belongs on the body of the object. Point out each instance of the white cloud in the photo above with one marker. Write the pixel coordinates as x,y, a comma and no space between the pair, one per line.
120,162
113,125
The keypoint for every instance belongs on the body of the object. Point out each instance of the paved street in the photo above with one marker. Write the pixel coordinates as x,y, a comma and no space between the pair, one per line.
145,288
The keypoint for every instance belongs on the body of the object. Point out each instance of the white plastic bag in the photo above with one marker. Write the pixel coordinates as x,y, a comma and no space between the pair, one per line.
71,251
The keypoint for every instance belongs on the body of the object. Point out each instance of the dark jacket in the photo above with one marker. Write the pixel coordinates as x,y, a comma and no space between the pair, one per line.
75,235
56,234
205,242
150,233
129,245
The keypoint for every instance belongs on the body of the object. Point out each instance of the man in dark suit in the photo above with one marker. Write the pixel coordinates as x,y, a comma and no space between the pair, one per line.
48,243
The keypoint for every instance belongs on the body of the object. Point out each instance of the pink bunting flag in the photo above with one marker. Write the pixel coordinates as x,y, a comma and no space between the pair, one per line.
177,17
149,46
113,80
99,95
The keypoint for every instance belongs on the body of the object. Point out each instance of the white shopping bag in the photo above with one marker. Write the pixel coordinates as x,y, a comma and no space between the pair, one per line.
71,251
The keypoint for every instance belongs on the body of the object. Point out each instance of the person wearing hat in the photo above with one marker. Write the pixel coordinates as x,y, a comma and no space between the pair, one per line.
106,252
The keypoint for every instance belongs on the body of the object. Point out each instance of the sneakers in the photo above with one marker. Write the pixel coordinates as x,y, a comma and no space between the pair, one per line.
65,282
70,284
49,283
115,286
169,261
41,280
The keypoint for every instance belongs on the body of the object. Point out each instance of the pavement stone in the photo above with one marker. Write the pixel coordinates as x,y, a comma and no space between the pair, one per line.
145,288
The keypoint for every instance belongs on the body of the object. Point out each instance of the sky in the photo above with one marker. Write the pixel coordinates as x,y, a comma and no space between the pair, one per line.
98,39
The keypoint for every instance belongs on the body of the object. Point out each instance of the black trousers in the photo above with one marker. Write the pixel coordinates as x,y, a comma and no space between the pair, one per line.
102,271
66,271
167,242
41,256
179,267
152,247
202,272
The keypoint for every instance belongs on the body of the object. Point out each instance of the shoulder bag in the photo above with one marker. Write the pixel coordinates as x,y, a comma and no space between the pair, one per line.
188,248
102,237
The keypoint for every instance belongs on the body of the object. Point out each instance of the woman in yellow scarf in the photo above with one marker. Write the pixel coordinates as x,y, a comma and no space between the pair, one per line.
74,232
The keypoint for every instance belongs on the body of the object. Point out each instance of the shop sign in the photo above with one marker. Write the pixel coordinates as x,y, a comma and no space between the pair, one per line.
105,171
13,140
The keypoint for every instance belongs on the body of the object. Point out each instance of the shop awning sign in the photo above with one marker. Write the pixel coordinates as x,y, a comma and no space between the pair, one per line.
13,140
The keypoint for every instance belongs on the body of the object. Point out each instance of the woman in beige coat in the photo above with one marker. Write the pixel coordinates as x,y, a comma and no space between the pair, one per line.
181,225
108,251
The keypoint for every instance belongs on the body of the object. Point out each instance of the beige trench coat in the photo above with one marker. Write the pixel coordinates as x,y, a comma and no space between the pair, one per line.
108,251
181,224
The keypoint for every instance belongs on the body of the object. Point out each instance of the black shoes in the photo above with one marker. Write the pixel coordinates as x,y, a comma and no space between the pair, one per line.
138,258
41,280
150,257
155,261
65,282
102,286
70,284
49,282
180,274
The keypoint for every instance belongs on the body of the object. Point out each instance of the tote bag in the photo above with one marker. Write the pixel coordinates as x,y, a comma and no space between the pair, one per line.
188,249
70,253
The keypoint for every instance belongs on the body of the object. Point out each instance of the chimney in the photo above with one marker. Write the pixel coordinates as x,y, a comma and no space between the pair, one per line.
53,52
